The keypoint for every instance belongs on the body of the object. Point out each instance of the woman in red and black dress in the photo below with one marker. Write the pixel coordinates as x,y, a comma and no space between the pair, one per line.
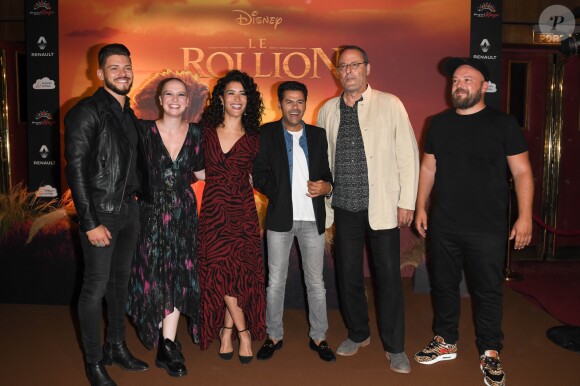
231,267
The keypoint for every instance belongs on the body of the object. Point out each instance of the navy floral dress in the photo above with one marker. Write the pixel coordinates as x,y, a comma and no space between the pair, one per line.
164,275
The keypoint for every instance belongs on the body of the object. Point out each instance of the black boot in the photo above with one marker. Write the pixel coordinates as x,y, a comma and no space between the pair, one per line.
169,357
119,354
97,374
177,344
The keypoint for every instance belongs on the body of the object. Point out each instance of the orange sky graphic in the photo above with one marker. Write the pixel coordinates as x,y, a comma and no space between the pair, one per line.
406,42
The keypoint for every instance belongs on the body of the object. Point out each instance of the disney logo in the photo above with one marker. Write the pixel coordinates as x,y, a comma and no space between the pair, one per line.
245,18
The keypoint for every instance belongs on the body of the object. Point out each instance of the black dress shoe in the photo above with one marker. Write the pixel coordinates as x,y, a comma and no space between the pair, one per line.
324,351
170,358
119,354
97,374
267,350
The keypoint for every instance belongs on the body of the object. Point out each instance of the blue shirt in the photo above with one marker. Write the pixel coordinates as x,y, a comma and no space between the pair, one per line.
289,146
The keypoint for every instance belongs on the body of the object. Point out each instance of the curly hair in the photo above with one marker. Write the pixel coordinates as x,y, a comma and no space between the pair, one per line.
213,115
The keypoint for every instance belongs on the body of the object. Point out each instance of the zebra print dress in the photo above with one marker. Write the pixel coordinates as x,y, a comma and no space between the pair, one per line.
230,253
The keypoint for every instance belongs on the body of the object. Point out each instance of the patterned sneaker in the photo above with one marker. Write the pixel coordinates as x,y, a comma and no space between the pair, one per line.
437,350
493,374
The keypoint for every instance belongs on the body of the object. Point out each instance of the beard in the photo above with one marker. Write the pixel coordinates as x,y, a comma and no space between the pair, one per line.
117,90
467,101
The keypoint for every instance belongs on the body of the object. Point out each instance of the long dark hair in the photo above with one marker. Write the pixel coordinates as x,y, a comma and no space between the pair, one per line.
213,115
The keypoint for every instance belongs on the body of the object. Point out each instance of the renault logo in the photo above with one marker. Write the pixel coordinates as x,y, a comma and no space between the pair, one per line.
485,45
41,43
43,151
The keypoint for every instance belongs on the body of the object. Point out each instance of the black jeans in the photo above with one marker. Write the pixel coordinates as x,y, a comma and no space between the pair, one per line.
351,229
481,256
106,274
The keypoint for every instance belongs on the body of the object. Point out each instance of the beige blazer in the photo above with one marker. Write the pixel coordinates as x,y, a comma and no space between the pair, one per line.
391,153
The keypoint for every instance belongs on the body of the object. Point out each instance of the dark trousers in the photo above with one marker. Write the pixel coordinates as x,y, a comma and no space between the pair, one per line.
481,256
351,229
106,274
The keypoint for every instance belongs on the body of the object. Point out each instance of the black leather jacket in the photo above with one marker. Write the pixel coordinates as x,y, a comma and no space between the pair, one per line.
98,156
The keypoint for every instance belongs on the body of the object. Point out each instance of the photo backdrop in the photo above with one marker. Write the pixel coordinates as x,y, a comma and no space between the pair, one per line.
201,40
273,42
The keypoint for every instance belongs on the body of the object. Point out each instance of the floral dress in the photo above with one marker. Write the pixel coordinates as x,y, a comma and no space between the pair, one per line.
164,275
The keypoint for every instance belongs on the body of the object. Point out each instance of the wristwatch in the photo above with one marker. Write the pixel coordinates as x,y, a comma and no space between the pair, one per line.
329,194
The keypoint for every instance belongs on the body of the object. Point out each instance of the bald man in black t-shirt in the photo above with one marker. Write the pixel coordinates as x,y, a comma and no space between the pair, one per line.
465,171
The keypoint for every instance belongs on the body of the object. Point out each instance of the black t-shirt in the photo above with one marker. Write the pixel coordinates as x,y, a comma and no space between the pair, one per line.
471,181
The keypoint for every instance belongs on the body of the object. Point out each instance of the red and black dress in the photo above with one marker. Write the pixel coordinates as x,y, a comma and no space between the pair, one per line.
230,252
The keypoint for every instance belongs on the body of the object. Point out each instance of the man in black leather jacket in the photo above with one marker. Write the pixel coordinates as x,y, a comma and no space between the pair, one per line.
101,142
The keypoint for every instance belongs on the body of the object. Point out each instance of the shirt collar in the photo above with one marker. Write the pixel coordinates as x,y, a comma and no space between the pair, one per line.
287,134
364,96
115,103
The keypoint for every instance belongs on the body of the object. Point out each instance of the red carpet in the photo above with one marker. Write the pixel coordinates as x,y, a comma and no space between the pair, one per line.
554,286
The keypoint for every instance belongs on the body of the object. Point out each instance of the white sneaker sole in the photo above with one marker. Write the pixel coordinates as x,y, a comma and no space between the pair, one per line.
485,379
444,357
489,384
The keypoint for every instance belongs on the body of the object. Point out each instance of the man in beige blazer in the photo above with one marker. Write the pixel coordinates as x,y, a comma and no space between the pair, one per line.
374,159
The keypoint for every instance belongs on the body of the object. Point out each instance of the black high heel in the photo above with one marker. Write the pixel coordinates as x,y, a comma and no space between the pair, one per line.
226,356
245,359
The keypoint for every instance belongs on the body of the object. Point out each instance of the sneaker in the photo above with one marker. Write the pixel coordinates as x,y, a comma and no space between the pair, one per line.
437,350
493,374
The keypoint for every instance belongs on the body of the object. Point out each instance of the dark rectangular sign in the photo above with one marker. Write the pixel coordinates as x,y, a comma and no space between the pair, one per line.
43,97
486,43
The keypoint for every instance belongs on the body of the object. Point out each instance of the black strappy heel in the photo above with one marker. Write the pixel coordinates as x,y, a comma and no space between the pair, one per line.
226,356
245,359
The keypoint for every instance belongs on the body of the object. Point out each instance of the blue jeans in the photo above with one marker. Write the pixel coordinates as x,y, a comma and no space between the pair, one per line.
312,251
106,274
